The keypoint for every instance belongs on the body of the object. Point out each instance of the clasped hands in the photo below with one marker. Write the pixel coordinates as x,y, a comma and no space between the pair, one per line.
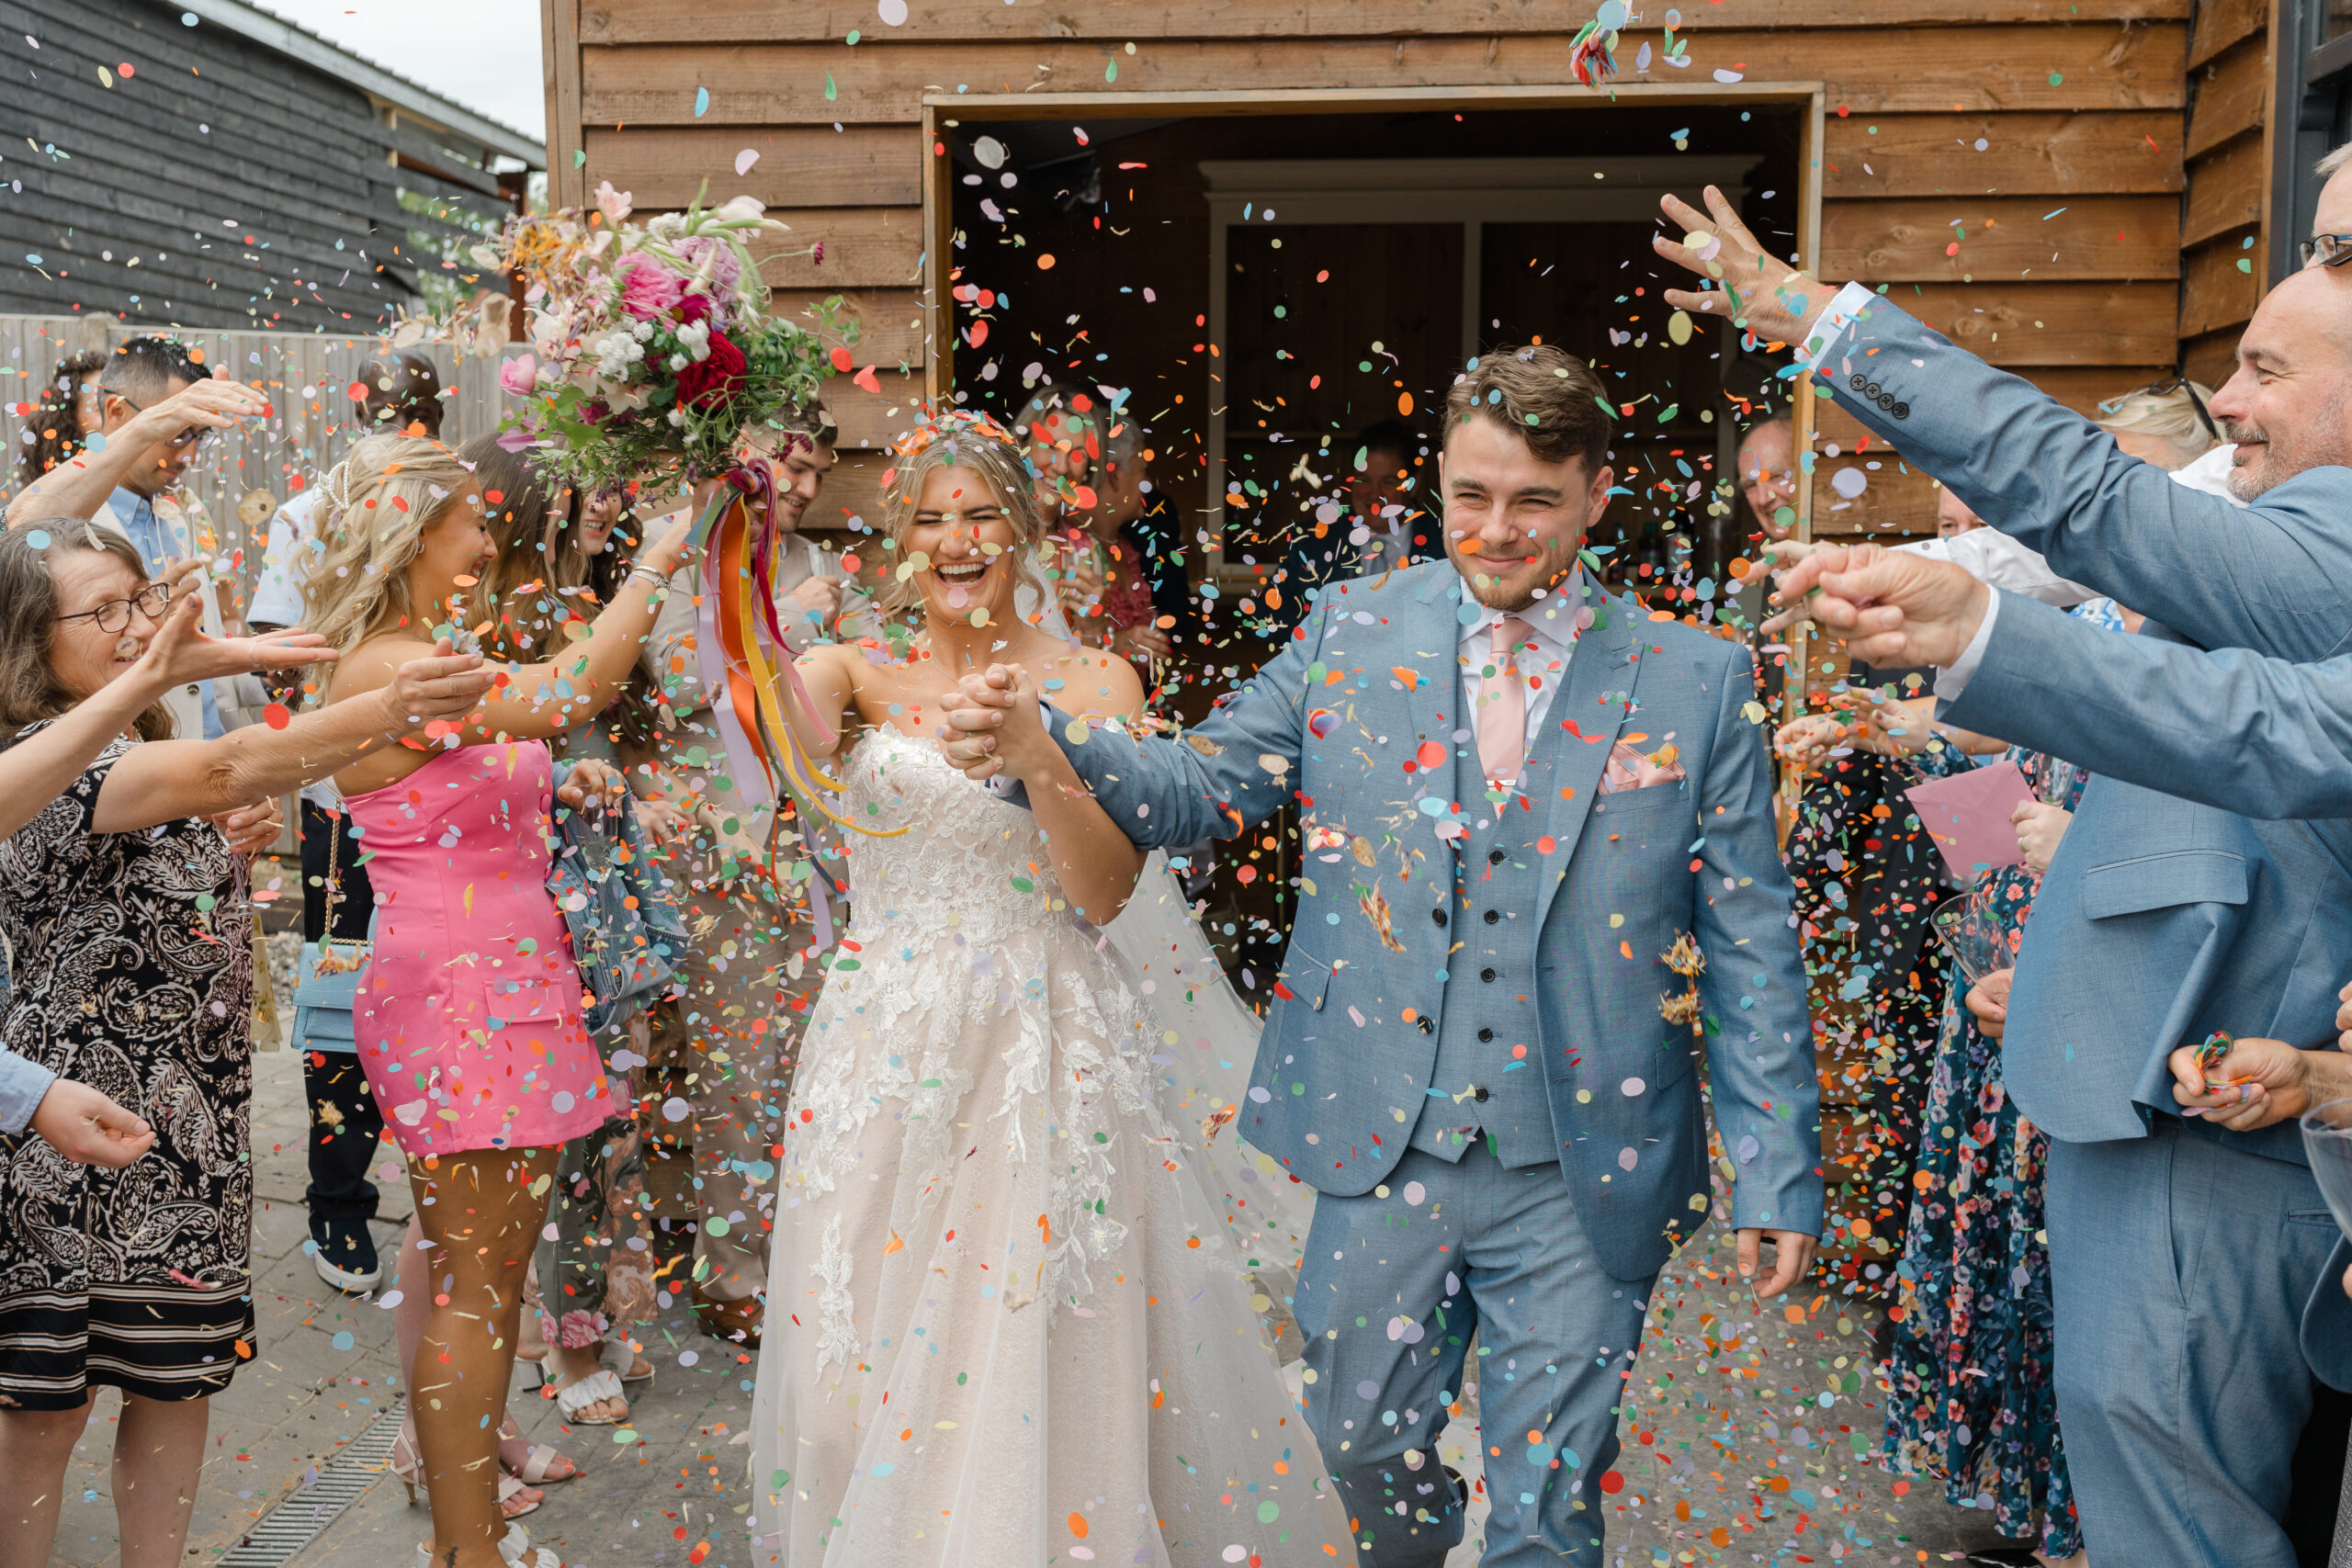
995,725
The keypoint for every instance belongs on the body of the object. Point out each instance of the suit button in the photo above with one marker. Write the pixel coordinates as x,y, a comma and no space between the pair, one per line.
1870,390
1493,915
1486,975
1901,410
1886,401
1494,857
1486,1034
1858,382
1479,1094
1437,916
1427,1025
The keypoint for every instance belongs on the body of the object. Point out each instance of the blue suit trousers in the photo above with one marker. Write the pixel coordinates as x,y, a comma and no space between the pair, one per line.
1392,1287
2179,1266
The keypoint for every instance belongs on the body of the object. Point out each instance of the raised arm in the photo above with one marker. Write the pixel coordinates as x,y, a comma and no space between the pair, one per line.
78,487
167,780
35,772
2269,577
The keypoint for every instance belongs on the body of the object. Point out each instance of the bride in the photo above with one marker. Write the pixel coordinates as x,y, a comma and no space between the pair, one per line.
1004,1321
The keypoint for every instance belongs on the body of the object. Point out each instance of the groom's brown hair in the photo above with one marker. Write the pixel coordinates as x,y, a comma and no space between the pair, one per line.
1551,398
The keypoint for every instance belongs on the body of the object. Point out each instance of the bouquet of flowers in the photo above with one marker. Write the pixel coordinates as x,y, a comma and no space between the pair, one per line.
651,348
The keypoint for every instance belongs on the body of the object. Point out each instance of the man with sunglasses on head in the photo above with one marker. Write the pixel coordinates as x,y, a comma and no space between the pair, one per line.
160,406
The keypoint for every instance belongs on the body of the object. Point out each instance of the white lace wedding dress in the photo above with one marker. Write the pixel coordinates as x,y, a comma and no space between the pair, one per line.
1006,1324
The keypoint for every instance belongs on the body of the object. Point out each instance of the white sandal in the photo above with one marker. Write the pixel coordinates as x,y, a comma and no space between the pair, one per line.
581,1392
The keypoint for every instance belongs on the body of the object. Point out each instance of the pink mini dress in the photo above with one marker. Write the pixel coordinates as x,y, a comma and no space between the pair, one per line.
469,1017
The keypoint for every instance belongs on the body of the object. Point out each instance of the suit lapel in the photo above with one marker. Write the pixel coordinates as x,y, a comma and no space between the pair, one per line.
1592,702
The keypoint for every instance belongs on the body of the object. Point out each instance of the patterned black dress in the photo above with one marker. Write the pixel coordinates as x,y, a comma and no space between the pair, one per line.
134,974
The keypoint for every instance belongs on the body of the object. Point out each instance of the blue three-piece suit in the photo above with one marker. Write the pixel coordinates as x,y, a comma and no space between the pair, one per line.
1468,1057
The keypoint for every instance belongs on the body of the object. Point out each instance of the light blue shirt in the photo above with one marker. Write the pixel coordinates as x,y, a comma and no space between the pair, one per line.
155,548
22,1084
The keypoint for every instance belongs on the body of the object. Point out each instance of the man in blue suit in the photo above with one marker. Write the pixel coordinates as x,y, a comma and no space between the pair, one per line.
1519,796
2182,1251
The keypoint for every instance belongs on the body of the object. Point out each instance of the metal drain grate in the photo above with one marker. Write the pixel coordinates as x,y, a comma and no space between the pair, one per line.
286,1529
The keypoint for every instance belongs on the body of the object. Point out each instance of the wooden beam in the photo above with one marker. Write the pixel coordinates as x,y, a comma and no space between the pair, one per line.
726,22
2215,291
2220,23
2231,92
559,64
799,165
2015,155
2226,189
2002,238
865,247
872,420
853,489
1896,498
2213,359
1869,71
889,322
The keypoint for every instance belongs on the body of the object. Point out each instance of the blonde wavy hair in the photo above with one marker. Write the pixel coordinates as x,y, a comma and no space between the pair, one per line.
960,440
374,508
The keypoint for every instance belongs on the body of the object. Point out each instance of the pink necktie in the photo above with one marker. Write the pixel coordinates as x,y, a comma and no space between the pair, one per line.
1502,712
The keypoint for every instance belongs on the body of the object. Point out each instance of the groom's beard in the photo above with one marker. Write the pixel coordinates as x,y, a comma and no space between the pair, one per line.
1513,589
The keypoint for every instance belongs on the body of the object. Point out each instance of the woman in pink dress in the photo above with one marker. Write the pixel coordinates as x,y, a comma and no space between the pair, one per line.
469,1021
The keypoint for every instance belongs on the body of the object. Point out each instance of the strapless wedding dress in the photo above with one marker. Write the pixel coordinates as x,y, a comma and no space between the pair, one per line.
1005,1323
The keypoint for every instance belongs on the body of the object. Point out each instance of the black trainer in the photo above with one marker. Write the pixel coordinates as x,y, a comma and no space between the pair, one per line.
345,1254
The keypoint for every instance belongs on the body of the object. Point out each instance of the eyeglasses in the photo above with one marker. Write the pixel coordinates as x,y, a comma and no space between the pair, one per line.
195,435
2327,250
2167,388
114,615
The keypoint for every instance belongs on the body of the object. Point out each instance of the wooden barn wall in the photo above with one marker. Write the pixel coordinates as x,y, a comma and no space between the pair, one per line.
2042,138
247,185
2224,217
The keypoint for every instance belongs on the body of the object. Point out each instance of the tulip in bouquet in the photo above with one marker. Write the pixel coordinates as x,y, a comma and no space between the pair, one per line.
651,345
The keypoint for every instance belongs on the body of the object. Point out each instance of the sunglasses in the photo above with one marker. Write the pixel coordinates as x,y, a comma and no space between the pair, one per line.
2167,388
194,435
114,615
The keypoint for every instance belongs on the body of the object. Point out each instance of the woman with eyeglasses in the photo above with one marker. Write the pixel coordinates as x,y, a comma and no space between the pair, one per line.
128,915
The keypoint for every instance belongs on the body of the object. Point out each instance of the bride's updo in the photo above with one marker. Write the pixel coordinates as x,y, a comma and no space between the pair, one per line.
960,440
373,511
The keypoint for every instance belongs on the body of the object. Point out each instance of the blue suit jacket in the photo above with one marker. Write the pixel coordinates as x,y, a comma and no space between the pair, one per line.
1355,719
2161,918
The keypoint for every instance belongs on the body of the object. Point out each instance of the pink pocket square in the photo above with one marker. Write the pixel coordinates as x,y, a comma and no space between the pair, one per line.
1628,769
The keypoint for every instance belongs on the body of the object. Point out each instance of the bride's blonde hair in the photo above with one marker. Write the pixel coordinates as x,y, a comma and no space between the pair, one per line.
374,508
961,440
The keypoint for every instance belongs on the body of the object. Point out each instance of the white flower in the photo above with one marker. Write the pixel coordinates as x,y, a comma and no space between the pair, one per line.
678,362
676,418
741,210
642,331
695,336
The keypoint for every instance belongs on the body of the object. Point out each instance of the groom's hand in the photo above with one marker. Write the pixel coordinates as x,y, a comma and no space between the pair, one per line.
979,710
1760,292
1887,606
1792,1261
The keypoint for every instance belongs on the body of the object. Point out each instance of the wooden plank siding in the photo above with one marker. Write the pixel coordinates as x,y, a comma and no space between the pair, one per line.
2043,137
2226,165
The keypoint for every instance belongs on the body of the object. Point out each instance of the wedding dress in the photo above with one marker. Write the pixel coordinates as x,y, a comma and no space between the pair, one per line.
1005,1323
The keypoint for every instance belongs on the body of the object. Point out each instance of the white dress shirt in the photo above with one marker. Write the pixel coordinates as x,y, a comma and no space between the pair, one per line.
1554,623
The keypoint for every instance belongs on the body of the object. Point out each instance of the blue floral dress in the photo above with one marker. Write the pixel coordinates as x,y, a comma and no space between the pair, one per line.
1972,1397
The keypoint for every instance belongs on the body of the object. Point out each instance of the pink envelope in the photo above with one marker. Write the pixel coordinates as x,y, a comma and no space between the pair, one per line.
1968,817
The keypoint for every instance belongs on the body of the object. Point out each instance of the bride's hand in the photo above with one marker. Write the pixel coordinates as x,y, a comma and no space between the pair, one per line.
997,727
665,553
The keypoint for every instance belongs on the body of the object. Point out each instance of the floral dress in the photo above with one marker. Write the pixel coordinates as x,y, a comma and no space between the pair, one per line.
1972,1399
134,955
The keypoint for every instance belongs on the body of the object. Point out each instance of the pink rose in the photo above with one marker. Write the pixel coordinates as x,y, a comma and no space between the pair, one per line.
649,289
713,257
519,375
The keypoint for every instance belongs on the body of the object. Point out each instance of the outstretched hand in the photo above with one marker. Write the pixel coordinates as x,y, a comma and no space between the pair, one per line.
1772,299
1887,606
592,783
437,691
180,653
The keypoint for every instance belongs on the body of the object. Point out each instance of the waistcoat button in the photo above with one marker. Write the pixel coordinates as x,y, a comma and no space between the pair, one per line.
1485,974
1479,1094
1486,1034
1493,915
1437,915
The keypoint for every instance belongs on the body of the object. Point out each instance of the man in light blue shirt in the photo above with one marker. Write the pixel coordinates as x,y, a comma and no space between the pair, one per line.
74,1119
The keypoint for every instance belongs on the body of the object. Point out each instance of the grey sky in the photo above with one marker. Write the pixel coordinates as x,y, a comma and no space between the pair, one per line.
482,53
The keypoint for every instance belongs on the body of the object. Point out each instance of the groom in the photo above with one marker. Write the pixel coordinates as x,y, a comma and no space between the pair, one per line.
1517,794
